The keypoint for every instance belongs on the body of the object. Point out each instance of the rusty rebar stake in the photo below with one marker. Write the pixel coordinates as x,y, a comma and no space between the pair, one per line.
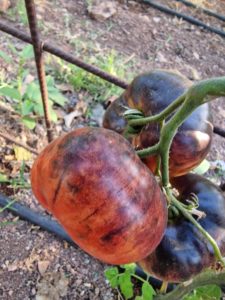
37,45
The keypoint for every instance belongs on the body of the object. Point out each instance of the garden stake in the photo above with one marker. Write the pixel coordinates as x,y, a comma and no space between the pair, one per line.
37,45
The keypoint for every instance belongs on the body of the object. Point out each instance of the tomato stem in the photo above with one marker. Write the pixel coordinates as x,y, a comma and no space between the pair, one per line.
163,287
148,151
159,117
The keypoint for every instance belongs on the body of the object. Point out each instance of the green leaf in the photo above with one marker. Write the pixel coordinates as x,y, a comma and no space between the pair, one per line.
129,268
112,275
50,81
57,97
33,92
7,223
208,292
4,56
126,286
7,206
3,178
27,52
10,92
202,168
139,298
27,107
38,109
147,291
13,48
29,122
53,115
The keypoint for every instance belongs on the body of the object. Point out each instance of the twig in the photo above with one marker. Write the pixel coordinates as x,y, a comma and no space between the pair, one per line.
14,141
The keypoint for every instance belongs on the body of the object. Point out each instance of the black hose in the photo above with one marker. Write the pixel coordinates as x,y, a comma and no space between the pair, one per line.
185,17
219,131
205,10
44,222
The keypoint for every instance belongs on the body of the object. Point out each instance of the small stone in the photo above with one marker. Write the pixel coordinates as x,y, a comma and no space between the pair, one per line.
43,266
102,11
4,5
78,282
156,19
97,291
196,55
161,58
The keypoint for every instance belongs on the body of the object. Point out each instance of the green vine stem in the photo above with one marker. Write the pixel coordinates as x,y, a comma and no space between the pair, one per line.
159,117
204,278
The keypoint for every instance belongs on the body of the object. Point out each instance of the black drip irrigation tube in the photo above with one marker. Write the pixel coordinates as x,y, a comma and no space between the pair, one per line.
219,131
205,10
33,217
184,17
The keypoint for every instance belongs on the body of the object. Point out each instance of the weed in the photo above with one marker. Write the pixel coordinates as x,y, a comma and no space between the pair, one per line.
122,281
98,88
25,93
7,223
7,206
20,12
18,182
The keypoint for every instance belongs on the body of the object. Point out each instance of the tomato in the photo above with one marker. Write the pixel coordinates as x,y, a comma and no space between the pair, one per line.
151,93
183,252
96,186
113,117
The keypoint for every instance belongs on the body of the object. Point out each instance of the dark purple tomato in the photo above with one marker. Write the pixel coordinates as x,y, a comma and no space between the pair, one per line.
151,93
183,251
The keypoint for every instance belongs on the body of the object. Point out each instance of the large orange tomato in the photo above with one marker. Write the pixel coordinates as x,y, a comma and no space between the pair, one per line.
107,200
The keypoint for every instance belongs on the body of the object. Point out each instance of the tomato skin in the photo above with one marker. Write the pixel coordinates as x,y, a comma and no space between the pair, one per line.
92,181
183,252
153,92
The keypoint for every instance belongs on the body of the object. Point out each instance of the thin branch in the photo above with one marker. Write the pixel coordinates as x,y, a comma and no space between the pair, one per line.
14,141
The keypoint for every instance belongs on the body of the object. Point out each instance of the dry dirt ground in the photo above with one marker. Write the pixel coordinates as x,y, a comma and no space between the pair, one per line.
35,264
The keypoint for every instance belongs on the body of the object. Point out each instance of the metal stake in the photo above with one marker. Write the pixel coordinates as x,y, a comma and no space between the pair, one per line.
37,44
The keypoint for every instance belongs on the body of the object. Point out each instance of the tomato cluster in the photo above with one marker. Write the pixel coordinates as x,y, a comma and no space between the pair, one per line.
109,201
151,93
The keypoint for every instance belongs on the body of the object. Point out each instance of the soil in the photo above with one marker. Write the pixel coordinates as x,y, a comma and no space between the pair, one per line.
35,264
